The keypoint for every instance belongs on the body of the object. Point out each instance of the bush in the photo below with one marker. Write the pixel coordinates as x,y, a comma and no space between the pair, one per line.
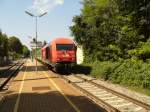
131,72
142,52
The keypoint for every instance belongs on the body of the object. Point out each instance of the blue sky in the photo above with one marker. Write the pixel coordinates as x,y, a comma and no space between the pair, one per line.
14,22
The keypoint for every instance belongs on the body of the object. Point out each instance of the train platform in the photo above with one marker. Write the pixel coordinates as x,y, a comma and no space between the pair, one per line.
43,91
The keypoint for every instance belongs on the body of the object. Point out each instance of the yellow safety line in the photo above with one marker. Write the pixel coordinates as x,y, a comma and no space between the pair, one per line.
63,94
20,90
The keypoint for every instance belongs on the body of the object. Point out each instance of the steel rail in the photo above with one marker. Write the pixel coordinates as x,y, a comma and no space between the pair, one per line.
10,76
4,71
103,104
107,106
137,102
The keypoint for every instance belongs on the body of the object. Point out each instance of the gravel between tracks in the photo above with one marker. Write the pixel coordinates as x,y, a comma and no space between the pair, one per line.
125,90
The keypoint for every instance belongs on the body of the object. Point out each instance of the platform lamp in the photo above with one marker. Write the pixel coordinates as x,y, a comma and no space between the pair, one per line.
36,17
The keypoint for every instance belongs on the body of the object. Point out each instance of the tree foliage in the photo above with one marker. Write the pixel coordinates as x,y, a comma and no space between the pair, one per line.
15,45
26,51
3,45
139,11
109,29
11,47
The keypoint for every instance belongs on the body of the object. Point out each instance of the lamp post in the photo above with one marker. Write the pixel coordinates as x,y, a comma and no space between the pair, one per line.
36,17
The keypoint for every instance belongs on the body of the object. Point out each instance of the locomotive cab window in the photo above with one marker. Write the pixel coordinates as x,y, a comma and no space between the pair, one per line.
65,47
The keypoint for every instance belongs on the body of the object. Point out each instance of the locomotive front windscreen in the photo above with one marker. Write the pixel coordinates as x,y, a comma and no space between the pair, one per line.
65,47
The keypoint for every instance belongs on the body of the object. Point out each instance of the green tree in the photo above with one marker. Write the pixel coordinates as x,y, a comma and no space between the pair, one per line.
96,28
26,51
15,45
139,12
3,45
108,29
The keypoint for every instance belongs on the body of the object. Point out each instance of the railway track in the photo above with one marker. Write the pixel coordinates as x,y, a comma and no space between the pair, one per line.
111,100
7,68
9,73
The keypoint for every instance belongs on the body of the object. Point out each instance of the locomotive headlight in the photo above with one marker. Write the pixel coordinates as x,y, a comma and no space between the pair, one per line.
67,55
58,59
73,58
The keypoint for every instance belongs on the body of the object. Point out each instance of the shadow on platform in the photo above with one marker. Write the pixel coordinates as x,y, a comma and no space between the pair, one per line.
51,101
34,79
33,68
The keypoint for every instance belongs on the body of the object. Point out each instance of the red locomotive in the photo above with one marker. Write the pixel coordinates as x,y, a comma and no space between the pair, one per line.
60,53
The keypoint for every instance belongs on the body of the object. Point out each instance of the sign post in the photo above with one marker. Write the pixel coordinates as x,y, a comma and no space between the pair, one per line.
34,46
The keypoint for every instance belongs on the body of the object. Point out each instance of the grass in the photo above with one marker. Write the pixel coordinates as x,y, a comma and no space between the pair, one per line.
140,90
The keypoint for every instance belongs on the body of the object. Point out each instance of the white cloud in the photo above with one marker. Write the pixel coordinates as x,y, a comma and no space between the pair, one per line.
41,6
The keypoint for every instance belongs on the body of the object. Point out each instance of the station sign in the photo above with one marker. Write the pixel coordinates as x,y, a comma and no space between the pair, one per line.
33,44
